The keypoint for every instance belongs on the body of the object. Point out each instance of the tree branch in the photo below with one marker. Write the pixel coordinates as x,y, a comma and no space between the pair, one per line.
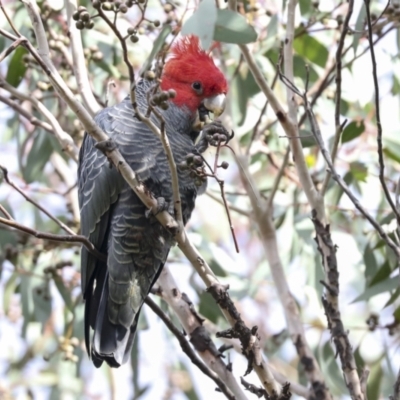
65,140
79,64
378,116
187,349
193,325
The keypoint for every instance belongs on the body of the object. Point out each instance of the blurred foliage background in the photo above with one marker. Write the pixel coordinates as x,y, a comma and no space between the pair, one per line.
41,308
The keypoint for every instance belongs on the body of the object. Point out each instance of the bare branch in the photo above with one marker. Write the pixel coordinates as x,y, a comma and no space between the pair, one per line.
35,203
187,349
57,238
6,52
331,305
65,140
269,240
193,326
21,111
79,65
378,116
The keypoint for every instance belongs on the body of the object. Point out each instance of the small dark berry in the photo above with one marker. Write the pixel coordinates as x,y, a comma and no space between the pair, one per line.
224,165
106,6
85,16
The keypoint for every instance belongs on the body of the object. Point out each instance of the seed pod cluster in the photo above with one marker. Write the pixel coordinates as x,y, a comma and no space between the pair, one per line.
67,346
216,138
160,99
82,18
195,164
93,53
113,5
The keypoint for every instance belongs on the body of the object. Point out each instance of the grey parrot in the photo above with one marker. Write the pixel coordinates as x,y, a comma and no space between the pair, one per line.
113,217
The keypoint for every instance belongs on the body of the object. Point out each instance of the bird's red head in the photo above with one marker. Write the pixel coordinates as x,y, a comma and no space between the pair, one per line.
191,72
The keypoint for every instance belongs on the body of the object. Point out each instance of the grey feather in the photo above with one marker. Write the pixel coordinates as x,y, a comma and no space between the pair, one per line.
115,221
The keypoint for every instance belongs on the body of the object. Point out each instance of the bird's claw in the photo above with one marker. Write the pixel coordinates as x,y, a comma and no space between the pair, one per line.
162,205
106,146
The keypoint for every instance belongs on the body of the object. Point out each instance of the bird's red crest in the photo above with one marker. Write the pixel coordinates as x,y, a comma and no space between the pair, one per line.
189,63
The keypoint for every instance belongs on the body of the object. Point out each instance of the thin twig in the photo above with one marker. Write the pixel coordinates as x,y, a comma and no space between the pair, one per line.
36,204
277,180
53,237
21,111
79,64
378,116
6,52
65,140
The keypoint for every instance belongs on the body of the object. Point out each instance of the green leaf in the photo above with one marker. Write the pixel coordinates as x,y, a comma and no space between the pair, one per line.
359,27
371,266
374,382
16,68
232,27
393,298
391,148
26,300
217,268
37,158
202,23
306,8
208,308
307,138
359,171
396,86
383,272
246,88
273,26
300,71
41,303
311,49
9,290
109,68
352,130
65,293
157,46
386,285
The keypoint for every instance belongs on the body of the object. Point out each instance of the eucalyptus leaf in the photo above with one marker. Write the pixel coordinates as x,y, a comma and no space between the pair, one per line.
352,131
38,156
17,67
202,23
383,286
208,308
232,27
311,49
64,292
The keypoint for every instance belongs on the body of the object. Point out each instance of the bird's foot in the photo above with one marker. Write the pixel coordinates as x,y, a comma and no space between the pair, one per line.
106,146
162,205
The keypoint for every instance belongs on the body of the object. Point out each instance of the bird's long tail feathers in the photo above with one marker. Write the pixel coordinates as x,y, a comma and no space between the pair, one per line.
110,343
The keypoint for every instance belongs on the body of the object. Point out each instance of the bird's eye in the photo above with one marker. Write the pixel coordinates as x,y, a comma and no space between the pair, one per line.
197,86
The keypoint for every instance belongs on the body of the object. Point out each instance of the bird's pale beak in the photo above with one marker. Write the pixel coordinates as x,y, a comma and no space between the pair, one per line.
215,104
